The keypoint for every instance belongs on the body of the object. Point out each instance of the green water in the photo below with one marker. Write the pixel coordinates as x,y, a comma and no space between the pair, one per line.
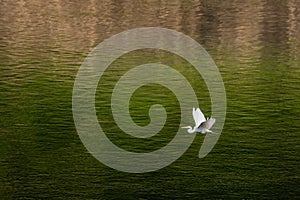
256,46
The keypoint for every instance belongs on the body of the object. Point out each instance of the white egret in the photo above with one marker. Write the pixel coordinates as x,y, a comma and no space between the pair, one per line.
202,125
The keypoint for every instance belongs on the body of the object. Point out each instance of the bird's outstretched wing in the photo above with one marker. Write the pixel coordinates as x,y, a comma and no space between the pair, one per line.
198,117
208,124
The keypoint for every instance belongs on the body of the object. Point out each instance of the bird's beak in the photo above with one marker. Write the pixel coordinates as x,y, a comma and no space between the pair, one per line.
184,127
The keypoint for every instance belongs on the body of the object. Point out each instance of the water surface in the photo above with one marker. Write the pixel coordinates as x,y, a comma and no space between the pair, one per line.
256,46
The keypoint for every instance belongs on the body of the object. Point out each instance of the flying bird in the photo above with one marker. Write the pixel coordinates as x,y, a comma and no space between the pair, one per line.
202,125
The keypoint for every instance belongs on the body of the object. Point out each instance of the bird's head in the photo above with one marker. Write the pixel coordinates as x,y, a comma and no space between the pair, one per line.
190,129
